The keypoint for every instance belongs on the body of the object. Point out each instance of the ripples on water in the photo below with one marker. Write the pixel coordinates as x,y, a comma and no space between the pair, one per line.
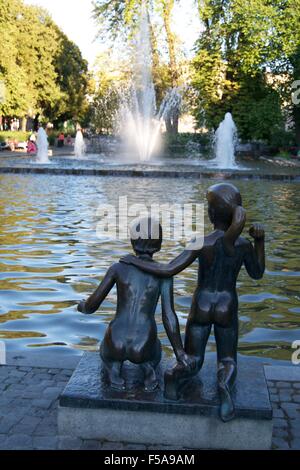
50,258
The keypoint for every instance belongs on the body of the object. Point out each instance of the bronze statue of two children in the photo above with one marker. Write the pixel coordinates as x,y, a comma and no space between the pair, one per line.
141,282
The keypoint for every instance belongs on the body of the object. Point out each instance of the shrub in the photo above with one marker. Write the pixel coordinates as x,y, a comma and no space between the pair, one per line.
14,135
52,139
281,138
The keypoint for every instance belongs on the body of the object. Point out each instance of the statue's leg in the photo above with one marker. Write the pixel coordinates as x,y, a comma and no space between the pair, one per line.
226,340
196,338
195,345
150,377
113,369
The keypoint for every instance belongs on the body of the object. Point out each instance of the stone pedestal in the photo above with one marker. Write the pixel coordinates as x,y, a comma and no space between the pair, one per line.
89,409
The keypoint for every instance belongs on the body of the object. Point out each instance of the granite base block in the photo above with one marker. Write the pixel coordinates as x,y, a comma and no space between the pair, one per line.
89,409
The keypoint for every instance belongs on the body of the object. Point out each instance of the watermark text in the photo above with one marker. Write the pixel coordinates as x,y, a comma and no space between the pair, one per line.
2,353
296,354
180,223
296,92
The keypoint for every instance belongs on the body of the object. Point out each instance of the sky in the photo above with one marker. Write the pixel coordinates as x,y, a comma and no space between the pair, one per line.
75,19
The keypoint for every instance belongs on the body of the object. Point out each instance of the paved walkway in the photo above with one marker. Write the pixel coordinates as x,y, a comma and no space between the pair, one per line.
29,401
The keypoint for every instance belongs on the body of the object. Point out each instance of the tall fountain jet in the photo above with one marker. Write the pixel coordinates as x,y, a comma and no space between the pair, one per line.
79,147
138,114
42,146
225,142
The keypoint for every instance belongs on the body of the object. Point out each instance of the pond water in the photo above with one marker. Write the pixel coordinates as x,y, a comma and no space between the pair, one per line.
50,257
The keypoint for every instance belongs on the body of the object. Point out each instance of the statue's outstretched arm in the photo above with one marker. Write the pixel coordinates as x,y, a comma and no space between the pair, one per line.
95,300
169,317
185,259
171,324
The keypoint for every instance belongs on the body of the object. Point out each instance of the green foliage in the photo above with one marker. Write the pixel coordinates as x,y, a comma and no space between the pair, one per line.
120,18
52,139
256,108
112,79
185,138
42,71
73,80
20,136
247,58
284,154
280,138
116,17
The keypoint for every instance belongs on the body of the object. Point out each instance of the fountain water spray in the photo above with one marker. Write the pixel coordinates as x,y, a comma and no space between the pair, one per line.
138,116
79,147
42,145
225,141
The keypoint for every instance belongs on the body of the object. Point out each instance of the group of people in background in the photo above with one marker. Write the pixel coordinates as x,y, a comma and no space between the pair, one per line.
10,125
63,140
31,146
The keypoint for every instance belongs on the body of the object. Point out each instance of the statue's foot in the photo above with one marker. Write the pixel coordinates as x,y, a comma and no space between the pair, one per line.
150,379
150,386
227,411
150,382
171,391
116,380
118,384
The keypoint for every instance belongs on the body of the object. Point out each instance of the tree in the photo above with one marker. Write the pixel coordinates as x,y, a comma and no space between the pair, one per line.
73,80
167,6
244,44
121,17
117,17
42,71
112,80
287,61
26,63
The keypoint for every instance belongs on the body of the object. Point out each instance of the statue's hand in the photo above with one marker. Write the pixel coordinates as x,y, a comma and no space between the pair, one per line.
81,307
189,362
129,259
257,232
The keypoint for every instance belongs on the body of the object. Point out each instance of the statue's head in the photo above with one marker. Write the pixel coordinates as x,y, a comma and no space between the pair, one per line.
222,199
146,236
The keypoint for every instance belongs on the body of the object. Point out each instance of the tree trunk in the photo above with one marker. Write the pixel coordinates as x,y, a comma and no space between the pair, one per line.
172,123
167,13
296,113
169,126
23,124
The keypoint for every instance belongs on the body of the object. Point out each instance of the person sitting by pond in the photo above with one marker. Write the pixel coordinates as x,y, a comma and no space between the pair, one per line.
215,302
32,137
69,140
31,147
132,335
61,140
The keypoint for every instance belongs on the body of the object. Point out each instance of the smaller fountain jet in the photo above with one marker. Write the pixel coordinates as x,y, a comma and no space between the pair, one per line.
225,141
79,147
42,145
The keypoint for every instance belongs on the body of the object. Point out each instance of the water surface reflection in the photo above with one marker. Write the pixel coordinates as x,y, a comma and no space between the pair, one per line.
50,258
